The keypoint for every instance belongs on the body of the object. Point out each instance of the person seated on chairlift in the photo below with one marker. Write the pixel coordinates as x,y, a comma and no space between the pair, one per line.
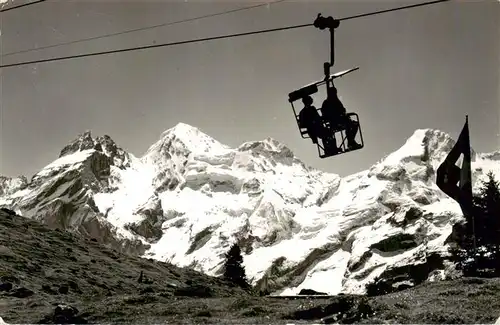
330,145
310,119
334,112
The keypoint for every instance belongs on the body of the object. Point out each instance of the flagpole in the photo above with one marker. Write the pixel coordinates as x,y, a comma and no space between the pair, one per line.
472,216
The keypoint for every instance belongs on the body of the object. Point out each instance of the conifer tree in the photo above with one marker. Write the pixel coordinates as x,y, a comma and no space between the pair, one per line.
473,256
489,204
233,267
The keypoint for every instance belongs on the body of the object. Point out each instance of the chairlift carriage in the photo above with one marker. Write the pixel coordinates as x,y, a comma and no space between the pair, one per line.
337,131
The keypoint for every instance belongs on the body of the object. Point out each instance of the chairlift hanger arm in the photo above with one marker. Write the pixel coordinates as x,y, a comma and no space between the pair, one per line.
330,23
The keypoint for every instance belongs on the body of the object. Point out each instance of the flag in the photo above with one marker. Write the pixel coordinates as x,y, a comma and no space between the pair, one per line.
456,181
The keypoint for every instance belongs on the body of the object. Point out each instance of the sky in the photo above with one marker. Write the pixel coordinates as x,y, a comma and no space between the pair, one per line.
425,67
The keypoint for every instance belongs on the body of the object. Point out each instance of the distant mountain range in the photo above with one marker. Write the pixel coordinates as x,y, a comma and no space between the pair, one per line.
190,197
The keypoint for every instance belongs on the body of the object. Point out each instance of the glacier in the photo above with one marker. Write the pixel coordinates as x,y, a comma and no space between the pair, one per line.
189,197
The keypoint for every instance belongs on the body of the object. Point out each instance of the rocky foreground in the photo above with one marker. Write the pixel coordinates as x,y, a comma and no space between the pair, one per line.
53,276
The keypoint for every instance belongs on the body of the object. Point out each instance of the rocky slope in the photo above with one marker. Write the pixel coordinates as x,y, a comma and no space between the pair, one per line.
72,280
89,282
188,198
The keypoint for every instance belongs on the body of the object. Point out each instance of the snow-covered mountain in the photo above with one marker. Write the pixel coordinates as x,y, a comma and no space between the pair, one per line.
189,197
4,3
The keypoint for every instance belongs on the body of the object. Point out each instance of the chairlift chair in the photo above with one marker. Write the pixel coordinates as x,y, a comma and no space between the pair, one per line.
338,131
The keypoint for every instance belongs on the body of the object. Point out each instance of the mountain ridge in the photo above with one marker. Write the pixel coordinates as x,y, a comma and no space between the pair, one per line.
299,227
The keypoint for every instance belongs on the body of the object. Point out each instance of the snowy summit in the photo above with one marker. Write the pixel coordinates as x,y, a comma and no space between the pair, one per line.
189,197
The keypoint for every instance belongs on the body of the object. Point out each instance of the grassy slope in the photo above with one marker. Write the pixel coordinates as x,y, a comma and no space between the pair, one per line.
102,284
463,301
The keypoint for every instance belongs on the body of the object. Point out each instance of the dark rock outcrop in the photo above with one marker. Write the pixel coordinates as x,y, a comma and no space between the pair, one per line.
63,314
310,292
399,278
344,310
21,292
397,242
199,291
153,218
10,185
278,277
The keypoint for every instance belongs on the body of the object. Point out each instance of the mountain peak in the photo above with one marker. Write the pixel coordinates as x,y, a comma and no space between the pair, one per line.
419,156
424,144
184,131
84,141
103,144
267,145
187,139
184,127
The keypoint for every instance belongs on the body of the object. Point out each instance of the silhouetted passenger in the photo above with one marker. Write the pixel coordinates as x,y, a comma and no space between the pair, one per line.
334,112
330,145
310,119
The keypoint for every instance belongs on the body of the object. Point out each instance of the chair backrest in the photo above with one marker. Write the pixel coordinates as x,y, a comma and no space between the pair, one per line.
303,92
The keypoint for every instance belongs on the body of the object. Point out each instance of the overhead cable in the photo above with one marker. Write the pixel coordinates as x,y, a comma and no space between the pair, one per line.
143,28
201,39
196,40
393,9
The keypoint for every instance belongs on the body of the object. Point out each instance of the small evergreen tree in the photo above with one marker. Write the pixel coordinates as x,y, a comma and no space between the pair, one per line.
233,267
488,203
474,257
